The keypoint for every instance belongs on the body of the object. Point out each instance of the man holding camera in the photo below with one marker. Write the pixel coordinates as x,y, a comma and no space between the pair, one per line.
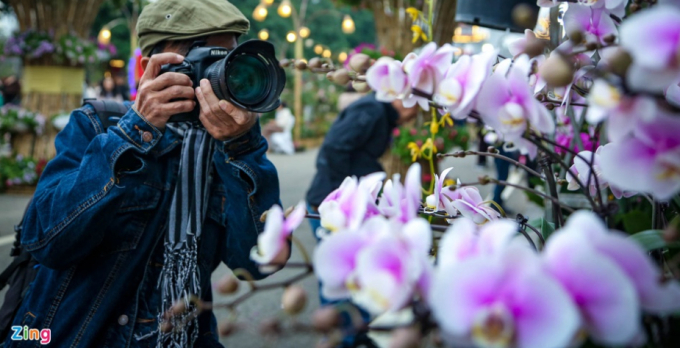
128,223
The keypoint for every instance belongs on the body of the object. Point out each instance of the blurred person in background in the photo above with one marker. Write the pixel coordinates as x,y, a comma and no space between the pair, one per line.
352,147
109,91
279,131
11,90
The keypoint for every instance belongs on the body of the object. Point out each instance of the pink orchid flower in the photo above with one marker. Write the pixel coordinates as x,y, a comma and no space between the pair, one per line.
594,22
390,271
656,58
380,266
469,203
388,79
464,239
653,295
504,301
648,161
272,244
673,94
437,201
460,85
401,202
623,112
603,292
350,204
507,104
581,169
425,70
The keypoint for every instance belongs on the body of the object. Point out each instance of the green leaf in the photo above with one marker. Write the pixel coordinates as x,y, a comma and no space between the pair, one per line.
653,239
546,228
636,220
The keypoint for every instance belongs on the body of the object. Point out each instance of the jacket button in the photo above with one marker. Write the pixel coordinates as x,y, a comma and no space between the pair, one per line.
123,320
147,137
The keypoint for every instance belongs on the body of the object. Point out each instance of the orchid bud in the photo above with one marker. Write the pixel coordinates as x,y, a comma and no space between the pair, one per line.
167,326
301,65
534,48
492,149
405,337
557,71
360,62
284,63
314,63
226,328
178,307
484,180
227,285
263,217
294,299
609,38
325,319
590,46
329,76
360,86
550,106
341,76
525,15
618,61
270,326
576,37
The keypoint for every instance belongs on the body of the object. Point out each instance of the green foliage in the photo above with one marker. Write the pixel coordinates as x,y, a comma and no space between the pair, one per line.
652,240
446,139
18,170
546,228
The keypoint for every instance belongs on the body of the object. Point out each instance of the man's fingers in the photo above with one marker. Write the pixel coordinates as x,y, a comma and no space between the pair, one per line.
169,79
209,95
177,107
158,60
176,92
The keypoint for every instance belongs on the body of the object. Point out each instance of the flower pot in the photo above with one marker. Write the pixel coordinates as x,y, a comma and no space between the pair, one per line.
496,14
21,190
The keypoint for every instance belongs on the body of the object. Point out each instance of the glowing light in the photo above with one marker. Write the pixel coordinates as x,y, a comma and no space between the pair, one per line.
285,9
263,34
117,63
268,2
348,25
291,36
487,47
326,53
318,49
304,32
260,13
342,57
104,36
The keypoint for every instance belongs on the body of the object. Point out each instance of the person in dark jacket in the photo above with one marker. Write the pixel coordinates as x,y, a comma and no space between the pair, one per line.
352,147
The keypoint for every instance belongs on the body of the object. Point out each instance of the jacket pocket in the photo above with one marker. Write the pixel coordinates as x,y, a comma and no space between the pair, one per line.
131,219
216,205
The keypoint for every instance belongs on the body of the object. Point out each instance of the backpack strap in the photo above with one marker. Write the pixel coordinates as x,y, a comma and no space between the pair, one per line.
109,112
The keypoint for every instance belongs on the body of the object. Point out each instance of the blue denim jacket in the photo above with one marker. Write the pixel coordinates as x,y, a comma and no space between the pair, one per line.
97,222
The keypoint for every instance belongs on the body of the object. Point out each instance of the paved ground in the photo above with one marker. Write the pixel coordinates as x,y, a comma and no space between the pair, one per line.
295,173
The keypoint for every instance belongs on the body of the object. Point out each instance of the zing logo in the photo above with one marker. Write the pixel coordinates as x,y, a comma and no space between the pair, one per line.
23,333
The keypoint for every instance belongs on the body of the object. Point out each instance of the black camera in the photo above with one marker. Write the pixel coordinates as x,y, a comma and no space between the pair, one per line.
248,76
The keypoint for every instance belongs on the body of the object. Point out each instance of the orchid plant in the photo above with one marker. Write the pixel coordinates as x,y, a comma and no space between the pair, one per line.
600,112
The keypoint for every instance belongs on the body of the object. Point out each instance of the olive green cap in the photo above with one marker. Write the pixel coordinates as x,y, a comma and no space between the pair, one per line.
187,19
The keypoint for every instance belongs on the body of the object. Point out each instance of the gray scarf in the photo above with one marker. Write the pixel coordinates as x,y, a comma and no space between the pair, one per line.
180,276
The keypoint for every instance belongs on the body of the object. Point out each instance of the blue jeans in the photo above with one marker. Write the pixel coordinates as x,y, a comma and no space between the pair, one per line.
345,307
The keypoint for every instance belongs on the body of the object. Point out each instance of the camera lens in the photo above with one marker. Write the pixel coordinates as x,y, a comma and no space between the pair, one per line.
247,79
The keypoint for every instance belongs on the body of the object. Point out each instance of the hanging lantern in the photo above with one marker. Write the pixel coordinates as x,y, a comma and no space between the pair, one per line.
498,14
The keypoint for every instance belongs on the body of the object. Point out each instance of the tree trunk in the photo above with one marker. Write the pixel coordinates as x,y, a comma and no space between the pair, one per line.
59,17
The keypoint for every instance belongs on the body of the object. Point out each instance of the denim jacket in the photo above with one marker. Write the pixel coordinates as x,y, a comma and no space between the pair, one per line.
97,222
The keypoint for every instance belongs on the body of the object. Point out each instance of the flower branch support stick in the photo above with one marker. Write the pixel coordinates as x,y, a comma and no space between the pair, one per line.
303,251
494,155
552,187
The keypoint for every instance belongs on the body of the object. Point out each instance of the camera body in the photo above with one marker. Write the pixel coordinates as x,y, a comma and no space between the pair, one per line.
248,76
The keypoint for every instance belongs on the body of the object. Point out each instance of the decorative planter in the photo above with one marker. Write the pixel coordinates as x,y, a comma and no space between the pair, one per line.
496,14
21,190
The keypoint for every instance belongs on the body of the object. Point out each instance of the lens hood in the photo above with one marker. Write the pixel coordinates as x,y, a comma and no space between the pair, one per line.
271,79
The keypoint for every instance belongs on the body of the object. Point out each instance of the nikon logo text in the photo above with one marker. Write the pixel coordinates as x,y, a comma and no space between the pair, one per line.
219,52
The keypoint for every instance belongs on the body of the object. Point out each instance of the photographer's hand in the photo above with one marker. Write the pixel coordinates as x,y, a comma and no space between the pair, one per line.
160,97
222,119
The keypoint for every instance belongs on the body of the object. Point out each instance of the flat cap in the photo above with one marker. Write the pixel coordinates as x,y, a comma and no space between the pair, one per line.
187,19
